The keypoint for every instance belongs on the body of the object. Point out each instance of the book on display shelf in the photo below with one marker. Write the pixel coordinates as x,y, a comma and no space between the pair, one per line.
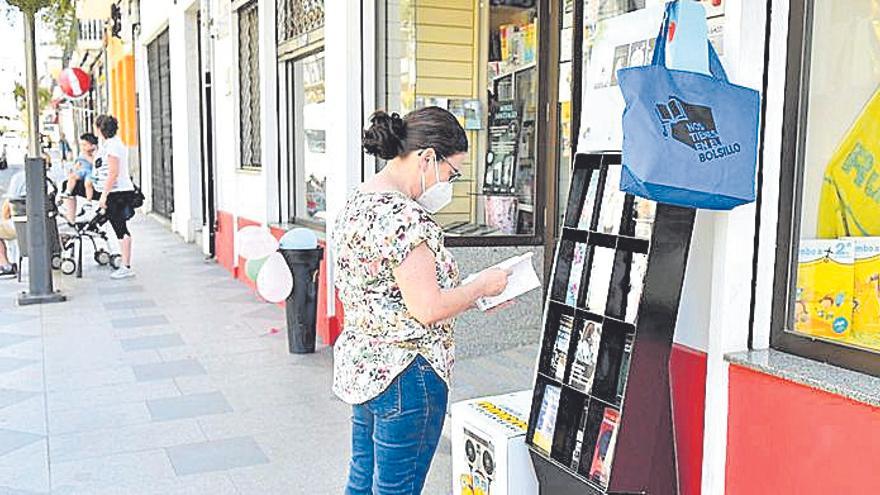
560,347
583,367
577,453
545,427
603,456
578,260
624,366
600,279
613,200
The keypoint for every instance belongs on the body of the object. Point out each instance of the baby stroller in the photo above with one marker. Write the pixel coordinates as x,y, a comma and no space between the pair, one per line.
87,228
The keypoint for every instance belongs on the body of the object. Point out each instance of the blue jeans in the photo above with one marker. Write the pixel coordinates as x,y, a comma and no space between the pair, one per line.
395,434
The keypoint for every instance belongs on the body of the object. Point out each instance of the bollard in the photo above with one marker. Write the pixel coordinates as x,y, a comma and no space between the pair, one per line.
303,256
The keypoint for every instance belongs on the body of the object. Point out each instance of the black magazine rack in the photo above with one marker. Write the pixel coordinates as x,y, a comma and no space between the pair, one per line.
601,417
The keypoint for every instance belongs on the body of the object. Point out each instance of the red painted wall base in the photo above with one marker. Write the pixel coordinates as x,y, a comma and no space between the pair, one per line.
784,438
687,374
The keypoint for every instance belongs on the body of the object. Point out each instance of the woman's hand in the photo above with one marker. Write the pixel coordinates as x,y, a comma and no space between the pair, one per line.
492,281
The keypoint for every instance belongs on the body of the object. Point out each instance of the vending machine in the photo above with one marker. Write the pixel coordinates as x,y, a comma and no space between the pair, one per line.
489,454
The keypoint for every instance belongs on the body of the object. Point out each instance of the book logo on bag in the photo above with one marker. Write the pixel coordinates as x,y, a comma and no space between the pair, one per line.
694,126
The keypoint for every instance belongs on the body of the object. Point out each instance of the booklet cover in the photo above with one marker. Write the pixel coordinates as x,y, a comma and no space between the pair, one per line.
603,456
624,367
545,426
589,202
866,312
613,199
577,270
560,348
523,278
638,269
825,284
577,453
583,368
600,279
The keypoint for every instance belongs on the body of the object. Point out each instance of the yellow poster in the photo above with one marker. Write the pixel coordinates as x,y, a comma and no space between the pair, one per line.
866,313
824,296
850,200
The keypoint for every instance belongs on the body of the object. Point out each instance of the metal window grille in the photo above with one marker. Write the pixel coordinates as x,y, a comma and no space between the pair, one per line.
249,85
299,17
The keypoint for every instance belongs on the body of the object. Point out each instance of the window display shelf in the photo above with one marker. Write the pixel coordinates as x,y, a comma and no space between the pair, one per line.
516,70
609,318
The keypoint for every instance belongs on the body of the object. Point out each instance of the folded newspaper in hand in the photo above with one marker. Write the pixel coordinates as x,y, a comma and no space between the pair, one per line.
522,279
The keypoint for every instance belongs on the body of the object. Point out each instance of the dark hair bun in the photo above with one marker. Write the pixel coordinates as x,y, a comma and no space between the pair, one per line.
385,137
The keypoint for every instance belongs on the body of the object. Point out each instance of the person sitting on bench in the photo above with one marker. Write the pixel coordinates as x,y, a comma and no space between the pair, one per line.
16,190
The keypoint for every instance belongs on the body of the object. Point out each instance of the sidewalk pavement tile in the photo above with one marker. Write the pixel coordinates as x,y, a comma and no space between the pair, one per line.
89,418
188,406
139,321
27,416
268,420
90,475
151,342
83,379
110,394
129,304
167,370
12,364
216,455
11,440
317,475
10,396
133,438
8,339
25,469
118,289
14,319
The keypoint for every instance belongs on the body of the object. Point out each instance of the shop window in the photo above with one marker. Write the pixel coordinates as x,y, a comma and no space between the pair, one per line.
481,61
828,274
563,112
307,135
300,26
249,86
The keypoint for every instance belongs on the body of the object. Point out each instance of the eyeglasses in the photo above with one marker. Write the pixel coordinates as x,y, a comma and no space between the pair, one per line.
456,173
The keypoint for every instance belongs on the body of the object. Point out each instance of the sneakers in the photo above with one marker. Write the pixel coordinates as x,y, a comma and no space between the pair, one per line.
8,270
122,272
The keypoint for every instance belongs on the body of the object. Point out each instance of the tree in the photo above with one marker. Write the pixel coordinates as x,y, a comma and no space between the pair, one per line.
60,16
44,97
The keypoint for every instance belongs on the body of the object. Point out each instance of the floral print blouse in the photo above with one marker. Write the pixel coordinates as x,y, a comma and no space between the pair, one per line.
373,234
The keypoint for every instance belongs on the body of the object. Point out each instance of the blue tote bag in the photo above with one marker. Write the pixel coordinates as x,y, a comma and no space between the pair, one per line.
689,139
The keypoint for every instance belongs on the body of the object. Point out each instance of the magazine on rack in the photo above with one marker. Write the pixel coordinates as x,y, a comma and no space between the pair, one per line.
560,347
583,368
577,271
545,427
579,440
603,456
600,279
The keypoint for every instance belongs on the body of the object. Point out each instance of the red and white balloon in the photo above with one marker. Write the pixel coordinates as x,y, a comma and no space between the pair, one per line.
74,82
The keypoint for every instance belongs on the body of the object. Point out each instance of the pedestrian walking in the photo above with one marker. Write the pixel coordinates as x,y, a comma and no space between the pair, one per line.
113,182
400,289
64,147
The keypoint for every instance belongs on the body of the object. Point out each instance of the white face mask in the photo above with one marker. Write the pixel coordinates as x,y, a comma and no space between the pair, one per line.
436,197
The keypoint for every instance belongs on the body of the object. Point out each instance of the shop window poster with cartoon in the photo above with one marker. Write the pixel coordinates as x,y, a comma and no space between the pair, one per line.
825,284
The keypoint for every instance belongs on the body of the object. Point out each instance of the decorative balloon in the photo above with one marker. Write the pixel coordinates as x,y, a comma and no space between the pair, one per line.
74,82
264,264
252,267
274,282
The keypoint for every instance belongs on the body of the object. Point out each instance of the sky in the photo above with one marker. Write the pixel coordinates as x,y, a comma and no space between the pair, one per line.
12,66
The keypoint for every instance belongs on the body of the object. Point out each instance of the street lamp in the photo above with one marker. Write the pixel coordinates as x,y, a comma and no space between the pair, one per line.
39,252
